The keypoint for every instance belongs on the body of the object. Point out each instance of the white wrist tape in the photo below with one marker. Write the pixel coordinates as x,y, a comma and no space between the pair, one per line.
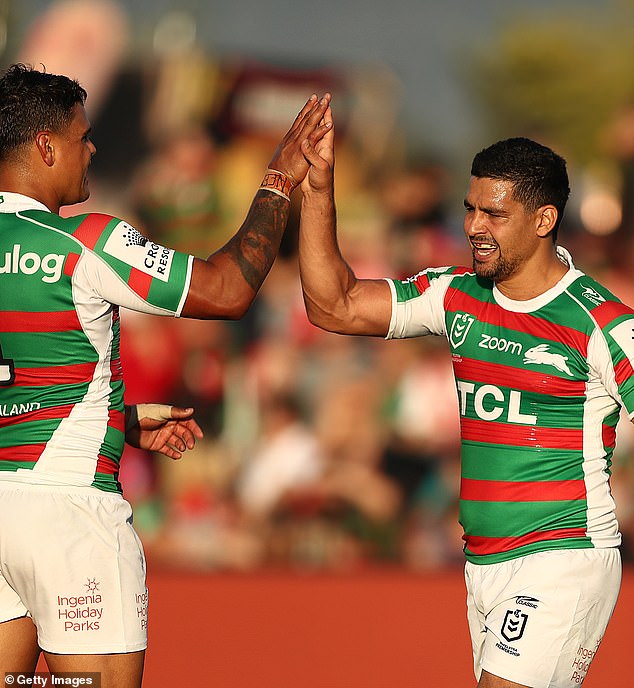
154,411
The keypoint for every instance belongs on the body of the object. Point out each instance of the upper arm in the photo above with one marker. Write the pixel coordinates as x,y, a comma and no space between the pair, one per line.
369,308
216,291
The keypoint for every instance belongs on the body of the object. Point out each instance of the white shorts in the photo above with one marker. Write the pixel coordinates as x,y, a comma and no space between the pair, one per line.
71,560
538,620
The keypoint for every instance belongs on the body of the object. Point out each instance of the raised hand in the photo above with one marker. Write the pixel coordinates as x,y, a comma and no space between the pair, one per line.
309,125
320,153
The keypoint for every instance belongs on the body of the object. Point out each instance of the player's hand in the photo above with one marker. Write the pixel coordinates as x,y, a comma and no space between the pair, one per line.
168,430
309,125
320,154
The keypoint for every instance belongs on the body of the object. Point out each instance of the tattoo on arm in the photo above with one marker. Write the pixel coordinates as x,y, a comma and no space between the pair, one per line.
257,242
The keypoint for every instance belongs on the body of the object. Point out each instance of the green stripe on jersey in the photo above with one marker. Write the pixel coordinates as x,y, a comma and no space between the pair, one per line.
112,445
31,432
509,519
49,349
13,466
522,464
46,396
106,482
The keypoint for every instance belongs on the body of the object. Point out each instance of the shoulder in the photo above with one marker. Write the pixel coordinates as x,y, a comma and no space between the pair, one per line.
601,305
441,277
92,229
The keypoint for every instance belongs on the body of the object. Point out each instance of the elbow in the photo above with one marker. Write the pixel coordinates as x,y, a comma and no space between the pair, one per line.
232,305
325,319
238,307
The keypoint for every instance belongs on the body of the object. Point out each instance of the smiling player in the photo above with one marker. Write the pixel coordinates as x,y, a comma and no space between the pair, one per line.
542,357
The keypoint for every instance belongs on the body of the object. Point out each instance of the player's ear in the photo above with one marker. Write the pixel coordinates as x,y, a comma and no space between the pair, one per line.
45,147
546,220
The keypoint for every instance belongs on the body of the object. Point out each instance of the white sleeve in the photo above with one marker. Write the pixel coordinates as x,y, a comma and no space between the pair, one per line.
421,311
93,275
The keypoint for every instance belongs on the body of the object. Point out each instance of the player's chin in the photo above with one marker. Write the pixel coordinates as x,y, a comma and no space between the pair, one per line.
84,194
485,270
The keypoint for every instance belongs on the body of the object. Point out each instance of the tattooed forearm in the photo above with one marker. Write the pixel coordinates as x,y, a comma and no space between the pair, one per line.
257,242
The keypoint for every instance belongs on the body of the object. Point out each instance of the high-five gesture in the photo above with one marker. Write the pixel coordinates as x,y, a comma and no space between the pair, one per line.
320,152
225,285
308,129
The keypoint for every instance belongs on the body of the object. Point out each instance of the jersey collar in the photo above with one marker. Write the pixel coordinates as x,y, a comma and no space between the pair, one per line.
14,202
540,301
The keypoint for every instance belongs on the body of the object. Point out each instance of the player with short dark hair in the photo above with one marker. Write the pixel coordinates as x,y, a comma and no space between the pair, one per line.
542,357
72,571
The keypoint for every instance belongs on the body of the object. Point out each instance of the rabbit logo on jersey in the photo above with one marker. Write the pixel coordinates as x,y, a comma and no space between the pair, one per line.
130,246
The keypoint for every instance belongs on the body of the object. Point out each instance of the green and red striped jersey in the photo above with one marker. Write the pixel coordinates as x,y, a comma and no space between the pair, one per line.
61,383
540,385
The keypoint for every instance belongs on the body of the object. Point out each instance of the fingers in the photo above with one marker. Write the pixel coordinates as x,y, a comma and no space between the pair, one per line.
325,133
309,117
179,413
191,432
314,116
310,104
318,158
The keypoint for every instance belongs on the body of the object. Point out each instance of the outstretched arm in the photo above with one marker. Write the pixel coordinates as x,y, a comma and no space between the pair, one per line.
335,299
169,430
226,283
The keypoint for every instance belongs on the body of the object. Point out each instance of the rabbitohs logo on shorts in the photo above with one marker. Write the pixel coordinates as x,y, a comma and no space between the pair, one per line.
460,327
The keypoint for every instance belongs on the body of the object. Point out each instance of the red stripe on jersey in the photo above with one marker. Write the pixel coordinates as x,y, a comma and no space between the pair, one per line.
70,263
422,282
609,436
140,282
517,378
609,311
116,419
116,370
54,321
91,229
491,313
623,371
106,465
520,435
57,375
508,491
479,545
39,414
23,452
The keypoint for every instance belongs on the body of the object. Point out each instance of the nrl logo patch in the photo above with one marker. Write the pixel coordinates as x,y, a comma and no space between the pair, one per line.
514,625
460,327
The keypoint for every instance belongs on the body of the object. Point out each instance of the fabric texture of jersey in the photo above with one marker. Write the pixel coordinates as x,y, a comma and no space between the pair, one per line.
61,383
540,387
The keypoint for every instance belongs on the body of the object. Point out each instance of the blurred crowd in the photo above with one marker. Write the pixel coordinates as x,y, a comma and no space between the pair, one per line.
320,451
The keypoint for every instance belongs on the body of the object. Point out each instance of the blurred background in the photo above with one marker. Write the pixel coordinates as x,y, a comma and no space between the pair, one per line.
327,454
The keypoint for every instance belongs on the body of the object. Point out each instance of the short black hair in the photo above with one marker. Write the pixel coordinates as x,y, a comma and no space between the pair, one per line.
31,101
538,174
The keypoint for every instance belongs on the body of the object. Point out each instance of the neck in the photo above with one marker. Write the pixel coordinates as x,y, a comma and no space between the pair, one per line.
534,278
